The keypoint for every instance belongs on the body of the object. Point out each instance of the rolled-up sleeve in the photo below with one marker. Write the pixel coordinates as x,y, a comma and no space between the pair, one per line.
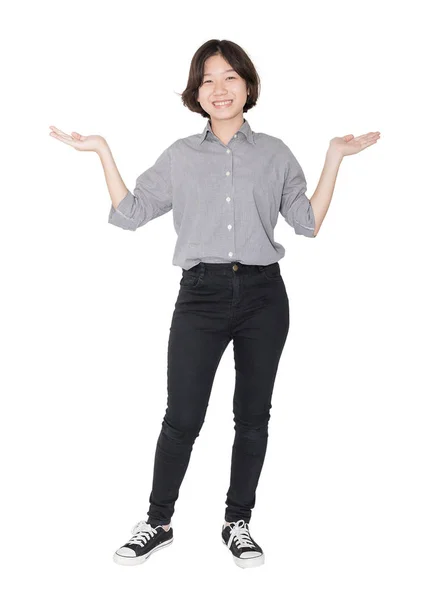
295,206
151,198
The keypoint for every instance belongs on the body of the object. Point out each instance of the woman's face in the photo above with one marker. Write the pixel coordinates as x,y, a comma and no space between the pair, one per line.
220,82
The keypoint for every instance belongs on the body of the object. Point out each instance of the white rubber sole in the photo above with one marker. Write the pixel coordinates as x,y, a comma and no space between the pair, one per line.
138,560
245,563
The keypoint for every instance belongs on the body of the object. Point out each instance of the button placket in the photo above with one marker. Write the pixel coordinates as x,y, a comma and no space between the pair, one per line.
228,198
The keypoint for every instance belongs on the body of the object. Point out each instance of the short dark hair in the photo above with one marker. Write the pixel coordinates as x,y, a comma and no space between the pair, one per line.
236,57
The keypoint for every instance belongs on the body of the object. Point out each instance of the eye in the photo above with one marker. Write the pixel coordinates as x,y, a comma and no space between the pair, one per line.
230,77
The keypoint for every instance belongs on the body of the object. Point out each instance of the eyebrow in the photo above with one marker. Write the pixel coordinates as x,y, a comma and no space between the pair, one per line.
227,71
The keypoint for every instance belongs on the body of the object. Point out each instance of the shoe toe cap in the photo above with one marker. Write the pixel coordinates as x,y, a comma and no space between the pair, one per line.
250,554
127,552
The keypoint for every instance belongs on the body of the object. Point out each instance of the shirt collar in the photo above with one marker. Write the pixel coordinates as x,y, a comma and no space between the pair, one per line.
245,129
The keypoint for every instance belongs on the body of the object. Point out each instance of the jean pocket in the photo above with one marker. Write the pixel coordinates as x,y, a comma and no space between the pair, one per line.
191,279
272,271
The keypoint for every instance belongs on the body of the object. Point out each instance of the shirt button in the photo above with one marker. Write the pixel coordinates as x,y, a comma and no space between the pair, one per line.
227,173
235,135
228,151
229,226
230,254
228,199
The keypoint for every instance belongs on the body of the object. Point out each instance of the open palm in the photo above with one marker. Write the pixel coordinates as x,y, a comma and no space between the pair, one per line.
350,145
87,143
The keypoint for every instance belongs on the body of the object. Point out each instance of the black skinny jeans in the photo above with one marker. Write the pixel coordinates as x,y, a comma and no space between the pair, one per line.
217,303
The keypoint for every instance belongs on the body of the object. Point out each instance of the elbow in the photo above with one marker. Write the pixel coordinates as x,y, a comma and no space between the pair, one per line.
119,220
314,219
130,213
314,227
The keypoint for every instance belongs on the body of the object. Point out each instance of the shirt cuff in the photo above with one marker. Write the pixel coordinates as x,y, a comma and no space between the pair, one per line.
310,232
306,224
121,217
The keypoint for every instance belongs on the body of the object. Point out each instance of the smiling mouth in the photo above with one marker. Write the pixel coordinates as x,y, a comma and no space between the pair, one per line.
223,103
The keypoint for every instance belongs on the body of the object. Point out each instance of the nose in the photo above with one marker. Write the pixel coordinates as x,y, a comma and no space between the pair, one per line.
220,90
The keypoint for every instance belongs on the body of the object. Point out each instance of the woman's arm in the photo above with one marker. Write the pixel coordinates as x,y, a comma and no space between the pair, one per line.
321,198
98,144
339,147
116,188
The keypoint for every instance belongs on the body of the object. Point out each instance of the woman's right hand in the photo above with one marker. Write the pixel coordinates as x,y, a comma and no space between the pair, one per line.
91,143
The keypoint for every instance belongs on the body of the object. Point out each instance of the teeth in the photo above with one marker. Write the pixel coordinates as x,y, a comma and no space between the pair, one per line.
222,103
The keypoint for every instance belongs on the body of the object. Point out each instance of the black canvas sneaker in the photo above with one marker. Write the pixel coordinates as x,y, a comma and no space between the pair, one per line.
146,539
245,551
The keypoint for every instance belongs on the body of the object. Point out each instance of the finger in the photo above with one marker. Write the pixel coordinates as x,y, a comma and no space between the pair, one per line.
68,141
63,137
54,128
357,139
371,134
61,133
364,137
368,144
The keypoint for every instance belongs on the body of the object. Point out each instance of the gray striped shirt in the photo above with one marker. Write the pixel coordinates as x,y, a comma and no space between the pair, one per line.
225,198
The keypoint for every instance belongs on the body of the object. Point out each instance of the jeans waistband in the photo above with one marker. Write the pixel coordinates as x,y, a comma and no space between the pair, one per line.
229,267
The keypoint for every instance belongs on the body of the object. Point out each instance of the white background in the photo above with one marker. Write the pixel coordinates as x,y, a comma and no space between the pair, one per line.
349,504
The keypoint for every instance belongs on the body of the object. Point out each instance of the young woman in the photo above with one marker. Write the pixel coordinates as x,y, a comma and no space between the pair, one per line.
226,187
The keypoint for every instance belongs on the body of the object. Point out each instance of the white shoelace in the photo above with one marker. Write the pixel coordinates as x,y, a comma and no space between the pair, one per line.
143,532
240,535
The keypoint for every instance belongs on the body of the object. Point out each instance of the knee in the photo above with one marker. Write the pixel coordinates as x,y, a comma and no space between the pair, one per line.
180,432
254,429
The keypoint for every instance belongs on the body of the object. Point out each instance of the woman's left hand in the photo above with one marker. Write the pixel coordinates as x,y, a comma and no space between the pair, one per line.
344,146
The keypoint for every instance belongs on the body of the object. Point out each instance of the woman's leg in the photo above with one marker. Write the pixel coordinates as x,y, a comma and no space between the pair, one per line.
258,340
196,344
